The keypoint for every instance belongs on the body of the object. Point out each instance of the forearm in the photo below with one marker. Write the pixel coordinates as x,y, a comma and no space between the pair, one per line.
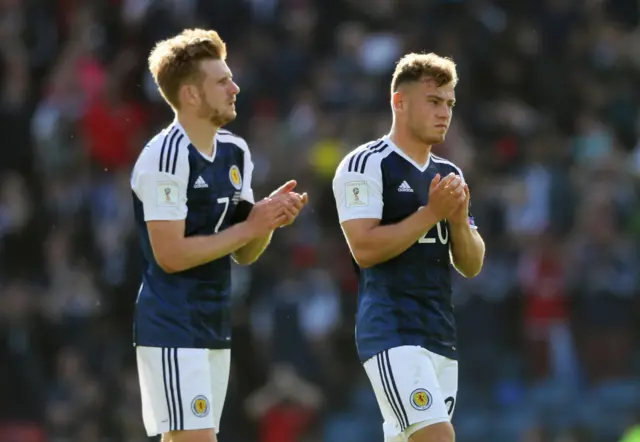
383,243
467,250
194,251
250,252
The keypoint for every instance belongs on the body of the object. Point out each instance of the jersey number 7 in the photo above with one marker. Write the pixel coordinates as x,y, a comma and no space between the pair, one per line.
443,235
224,201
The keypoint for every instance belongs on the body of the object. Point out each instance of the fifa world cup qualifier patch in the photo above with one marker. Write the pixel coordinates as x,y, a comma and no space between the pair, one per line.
421,399
200,406
167,194
357,193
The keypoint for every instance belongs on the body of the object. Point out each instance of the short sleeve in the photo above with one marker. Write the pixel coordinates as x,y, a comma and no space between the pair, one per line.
163,194
246,193
358,195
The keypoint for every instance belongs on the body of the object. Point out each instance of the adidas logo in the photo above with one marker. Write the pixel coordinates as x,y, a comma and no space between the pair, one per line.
404,187
200,183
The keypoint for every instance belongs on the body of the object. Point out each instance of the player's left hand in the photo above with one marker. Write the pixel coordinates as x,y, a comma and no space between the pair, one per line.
461,215
292,202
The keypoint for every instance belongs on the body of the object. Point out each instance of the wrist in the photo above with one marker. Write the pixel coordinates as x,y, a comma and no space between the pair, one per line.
428,216
248,230
459,224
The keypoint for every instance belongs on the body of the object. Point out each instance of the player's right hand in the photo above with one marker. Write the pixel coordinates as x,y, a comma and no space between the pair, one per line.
292,205
446,195
293,202
266,216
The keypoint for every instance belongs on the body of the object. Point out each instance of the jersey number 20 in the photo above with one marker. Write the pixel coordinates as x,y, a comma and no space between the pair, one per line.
443,235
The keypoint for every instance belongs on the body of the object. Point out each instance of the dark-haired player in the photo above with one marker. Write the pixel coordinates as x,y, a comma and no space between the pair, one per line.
405,215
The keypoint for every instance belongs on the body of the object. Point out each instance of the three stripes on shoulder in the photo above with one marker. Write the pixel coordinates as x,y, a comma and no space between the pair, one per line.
169,161
358,161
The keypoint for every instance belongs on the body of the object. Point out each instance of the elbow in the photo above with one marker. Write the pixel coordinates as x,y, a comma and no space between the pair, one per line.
364,258
243,259
470,273
168,263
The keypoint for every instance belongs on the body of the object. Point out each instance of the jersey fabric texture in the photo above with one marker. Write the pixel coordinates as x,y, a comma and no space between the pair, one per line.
172,180
405,301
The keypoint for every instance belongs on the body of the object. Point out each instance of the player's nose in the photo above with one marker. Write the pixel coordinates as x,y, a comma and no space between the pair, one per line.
444,116
235,89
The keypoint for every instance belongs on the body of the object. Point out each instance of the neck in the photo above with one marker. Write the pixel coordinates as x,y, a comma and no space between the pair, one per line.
200,132
412,147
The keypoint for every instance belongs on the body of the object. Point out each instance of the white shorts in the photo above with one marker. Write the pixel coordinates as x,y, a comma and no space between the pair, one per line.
182,388
414,387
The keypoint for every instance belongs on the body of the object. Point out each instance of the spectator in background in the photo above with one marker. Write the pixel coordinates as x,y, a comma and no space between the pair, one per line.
286,407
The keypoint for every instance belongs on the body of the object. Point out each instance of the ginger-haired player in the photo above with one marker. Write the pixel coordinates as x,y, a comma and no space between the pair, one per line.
405,215
195,211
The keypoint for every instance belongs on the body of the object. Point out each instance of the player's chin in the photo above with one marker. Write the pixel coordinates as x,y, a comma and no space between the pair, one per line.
225,118
231,115
437,138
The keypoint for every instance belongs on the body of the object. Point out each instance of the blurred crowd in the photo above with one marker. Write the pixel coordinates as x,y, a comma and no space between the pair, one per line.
546,130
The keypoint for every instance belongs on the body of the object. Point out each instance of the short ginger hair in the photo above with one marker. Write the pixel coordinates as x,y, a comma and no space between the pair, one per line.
417,67
174,61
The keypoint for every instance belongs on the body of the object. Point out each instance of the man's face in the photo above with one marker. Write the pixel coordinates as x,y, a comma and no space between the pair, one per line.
217,93
426,109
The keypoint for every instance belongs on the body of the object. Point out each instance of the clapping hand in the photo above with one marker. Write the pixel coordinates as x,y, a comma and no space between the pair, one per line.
291,203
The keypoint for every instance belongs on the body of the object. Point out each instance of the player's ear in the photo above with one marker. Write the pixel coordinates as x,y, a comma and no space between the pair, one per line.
397,101
189,94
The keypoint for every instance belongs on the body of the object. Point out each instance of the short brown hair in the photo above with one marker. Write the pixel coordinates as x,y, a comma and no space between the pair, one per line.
177,60
415,67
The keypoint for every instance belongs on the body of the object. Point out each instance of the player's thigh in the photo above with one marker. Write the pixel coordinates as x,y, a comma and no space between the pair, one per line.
440,432
447,374
205,435
406,386
220,365
175,386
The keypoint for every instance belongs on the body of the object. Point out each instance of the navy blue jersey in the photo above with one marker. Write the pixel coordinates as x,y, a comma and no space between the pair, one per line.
172,180
407,299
